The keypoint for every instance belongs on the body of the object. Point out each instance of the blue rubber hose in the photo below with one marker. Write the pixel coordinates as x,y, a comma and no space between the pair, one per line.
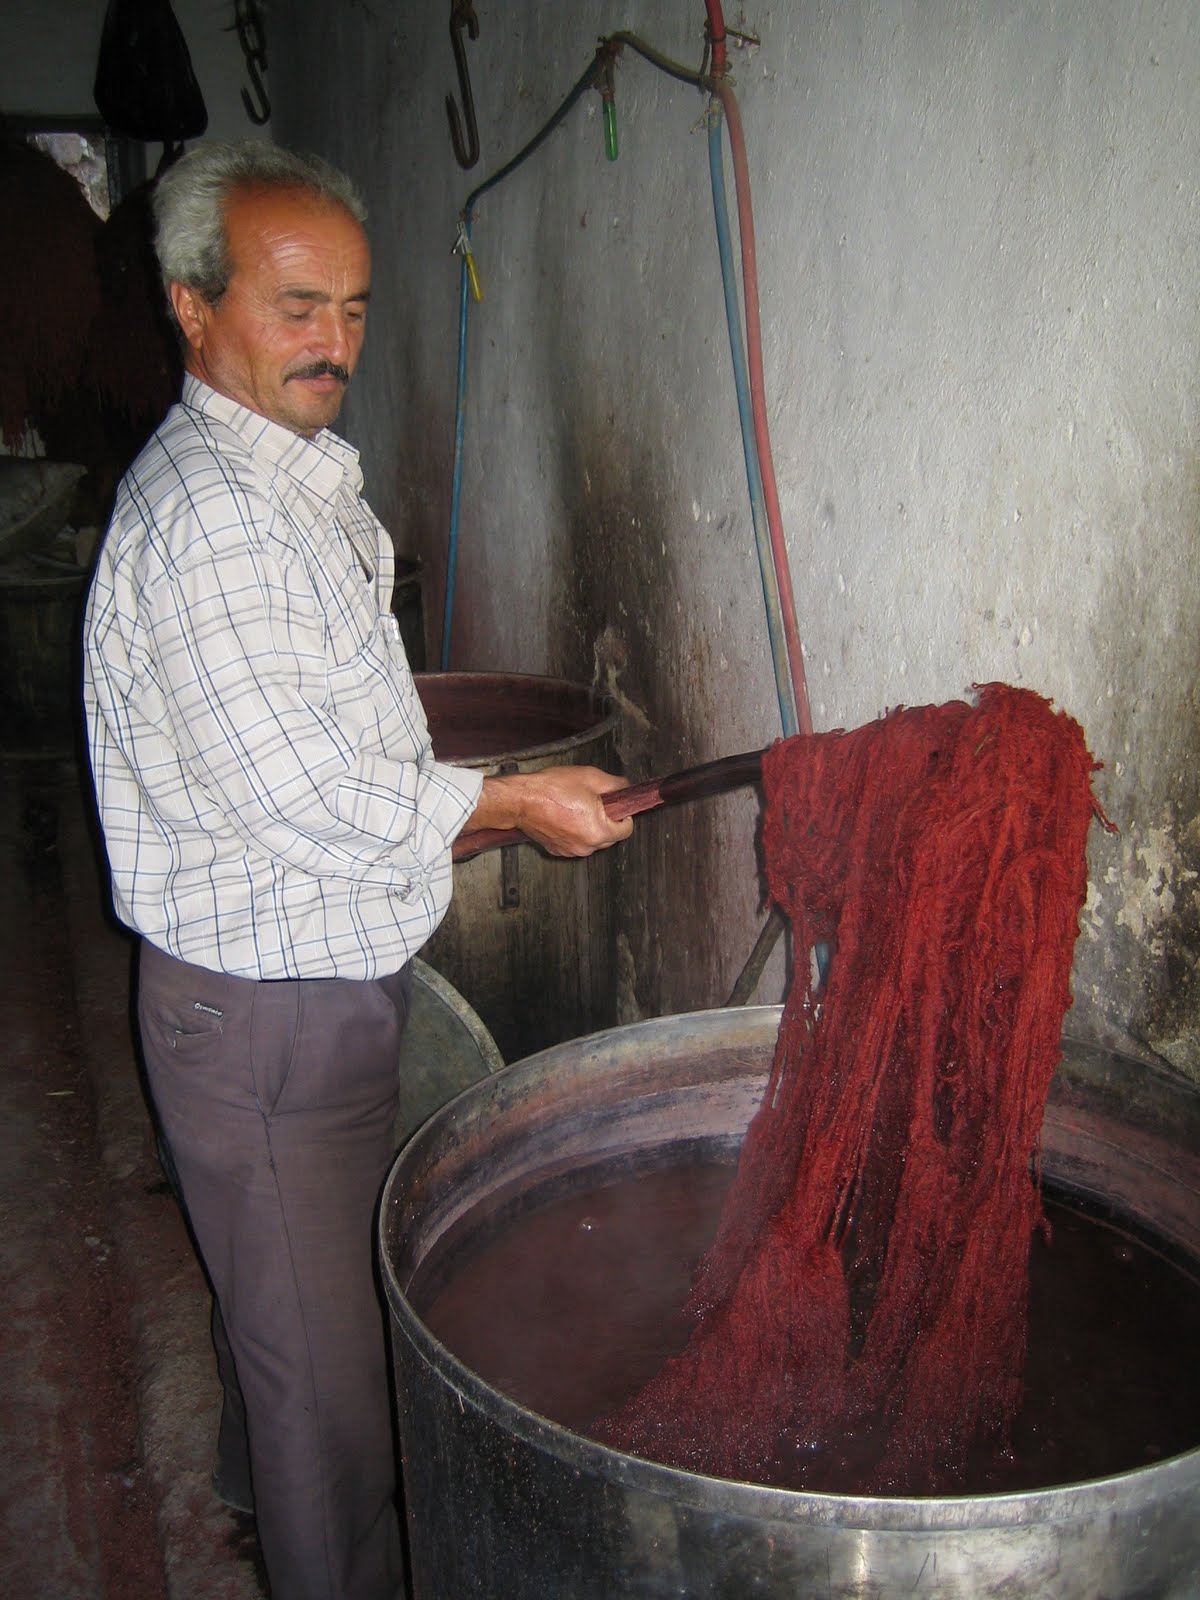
784,687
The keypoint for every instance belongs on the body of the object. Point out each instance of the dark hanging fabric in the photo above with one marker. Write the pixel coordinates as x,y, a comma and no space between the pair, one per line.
145,86
134,361
48,277
860,1319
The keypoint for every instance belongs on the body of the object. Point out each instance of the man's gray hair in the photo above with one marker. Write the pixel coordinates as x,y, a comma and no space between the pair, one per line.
189,205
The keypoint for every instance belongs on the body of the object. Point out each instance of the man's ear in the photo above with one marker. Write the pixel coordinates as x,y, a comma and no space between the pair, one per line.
191,309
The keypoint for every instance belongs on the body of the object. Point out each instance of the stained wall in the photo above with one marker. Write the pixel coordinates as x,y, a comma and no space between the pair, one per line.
978,253
978,256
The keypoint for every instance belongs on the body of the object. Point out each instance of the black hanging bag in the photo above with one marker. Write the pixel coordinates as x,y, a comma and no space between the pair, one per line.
145,86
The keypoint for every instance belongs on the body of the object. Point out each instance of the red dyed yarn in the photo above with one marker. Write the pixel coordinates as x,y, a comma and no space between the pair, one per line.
869,1278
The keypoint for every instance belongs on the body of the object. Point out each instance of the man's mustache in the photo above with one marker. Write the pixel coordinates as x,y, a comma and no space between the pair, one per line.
320,369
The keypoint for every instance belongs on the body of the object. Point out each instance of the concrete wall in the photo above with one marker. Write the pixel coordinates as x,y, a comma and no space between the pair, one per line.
979,251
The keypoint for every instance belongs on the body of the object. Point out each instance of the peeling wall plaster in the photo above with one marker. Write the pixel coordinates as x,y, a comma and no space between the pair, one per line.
1151,870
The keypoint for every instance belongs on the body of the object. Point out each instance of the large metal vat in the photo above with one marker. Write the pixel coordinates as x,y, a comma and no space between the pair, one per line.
528,940
443,1050
501,1502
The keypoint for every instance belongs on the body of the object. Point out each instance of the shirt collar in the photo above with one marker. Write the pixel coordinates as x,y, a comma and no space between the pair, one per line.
320,464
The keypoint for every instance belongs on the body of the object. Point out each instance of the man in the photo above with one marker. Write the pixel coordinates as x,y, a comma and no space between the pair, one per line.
278,833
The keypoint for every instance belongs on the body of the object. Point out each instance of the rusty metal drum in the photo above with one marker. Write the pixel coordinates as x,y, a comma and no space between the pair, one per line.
528,940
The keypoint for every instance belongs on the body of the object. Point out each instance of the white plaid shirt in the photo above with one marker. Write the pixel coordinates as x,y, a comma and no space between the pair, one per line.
269,800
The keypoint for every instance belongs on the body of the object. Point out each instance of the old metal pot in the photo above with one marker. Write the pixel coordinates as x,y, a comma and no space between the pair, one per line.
502,1502
528,940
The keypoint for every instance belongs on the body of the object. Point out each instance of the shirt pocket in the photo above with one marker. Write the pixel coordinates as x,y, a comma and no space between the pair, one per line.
303,651
373,689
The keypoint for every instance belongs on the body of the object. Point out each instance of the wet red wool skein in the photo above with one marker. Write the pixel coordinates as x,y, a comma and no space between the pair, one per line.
869,1276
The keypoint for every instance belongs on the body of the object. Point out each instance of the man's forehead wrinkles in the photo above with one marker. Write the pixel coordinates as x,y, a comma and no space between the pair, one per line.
319,296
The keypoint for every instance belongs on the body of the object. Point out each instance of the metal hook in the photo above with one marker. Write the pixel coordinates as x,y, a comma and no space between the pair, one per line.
252,38
262,112
466,152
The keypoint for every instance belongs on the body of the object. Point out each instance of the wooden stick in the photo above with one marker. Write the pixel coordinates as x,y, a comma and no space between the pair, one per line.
693,783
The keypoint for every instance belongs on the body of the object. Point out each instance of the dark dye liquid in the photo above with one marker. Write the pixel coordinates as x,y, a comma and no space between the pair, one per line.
572,1305
474,718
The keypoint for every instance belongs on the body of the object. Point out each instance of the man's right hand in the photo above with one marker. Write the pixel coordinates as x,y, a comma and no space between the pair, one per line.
559,808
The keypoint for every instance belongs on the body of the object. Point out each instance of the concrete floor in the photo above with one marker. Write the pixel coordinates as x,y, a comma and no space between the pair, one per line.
108,1395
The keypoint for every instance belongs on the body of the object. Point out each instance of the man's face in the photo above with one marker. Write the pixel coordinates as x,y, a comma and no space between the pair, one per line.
287,333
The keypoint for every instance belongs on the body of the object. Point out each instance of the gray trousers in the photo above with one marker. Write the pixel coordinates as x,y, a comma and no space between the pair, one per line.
277,1102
